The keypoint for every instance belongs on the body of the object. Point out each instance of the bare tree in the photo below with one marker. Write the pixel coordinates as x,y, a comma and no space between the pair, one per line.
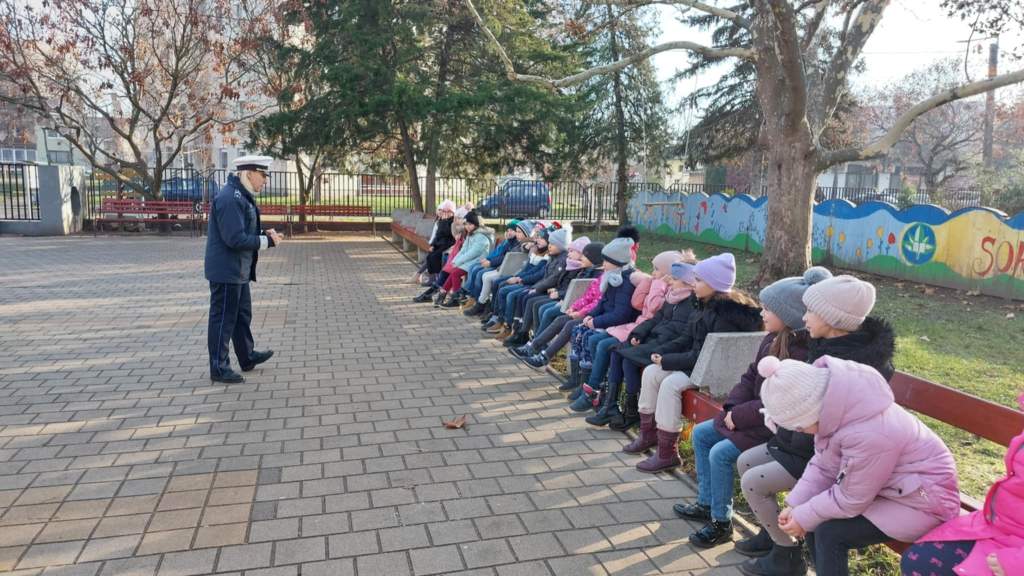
129,83
803,54
944,142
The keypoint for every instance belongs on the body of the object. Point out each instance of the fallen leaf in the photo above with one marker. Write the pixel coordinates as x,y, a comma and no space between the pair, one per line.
898,284
925,339
1011,316
456,423
974,293
929,291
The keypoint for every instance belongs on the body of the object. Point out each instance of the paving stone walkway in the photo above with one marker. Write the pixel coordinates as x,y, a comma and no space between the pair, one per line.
119,457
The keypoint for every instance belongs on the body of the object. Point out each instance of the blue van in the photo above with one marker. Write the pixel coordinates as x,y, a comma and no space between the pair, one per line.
518,199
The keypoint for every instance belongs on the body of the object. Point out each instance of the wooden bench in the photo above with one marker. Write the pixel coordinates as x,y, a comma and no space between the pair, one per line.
336,210
409,238
980,417
145,211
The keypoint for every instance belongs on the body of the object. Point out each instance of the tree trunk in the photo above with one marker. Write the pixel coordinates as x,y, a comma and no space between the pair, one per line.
433,135
790,179
409,157
621,143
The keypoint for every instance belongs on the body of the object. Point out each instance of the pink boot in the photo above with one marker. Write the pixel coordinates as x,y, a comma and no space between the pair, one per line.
648,436
667,456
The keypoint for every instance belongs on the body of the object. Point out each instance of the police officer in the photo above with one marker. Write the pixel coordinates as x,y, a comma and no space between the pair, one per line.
232,248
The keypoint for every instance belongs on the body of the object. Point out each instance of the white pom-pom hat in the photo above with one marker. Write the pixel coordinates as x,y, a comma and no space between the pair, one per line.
793,392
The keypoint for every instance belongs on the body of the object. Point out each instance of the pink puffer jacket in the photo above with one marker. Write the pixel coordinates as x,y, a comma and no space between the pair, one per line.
653,297
998,528
590,298
873,458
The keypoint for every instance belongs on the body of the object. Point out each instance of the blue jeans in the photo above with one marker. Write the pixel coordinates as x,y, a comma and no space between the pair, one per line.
476,271
715,458
601,344
506,298
548,312
514,304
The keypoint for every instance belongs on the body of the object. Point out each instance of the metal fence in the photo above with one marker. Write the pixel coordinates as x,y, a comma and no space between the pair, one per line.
495,198
19,192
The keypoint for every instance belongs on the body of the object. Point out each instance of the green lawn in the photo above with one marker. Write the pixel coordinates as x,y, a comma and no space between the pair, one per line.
973,343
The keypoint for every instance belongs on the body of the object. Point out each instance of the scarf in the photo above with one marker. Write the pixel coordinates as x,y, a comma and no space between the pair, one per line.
573,264
677,295
613,277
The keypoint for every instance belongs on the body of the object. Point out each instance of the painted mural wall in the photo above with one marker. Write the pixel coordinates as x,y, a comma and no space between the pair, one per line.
971,249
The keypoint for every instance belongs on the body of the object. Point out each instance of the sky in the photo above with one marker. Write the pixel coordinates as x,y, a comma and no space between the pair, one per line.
912,34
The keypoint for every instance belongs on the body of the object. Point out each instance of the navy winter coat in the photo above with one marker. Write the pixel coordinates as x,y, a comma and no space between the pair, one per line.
615,307
233,238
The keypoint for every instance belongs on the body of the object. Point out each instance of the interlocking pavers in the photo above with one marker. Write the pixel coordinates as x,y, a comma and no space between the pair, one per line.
119,457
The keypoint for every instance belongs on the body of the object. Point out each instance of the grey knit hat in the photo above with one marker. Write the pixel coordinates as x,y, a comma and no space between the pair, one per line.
843,301
618,251
560,238
526,226
785,297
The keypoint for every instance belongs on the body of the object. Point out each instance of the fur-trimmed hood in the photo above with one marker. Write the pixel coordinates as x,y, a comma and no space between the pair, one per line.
874,344
741,316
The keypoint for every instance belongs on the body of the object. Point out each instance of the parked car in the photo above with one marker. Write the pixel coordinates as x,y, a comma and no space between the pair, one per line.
187,189
518,198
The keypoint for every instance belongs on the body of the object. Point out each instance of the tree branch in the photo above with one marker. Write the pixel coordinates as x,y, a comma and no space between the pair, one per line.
574,79
706,8
892,136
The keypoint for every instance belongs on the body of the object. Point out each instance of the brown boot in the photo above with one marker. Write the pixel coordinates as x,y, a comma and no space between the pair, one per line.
647,437
469,303
504,334
497,328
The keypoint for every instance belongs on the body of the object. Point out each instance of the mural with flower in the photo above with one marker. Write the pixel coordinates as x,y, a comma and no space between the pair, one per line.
973,249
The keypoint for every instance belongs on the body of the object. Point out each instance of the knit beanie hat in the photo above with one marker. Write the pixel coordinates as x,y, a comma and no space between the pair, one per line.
579,244
785,297
618,251
663,262
526,226
793,392
719,272
513,224
843,301
593,252
684,271
473,218
461,212
560,239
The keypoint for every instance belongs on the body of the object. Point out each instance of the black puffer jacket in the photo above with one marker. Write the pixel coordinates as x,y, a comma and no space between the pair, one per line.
443,239
569,275
721,313
874,344
670,322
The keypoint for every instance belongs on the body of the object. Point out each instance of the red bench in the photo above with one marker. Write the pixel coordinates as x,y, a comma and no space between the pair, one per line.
145,211
975,415
336,210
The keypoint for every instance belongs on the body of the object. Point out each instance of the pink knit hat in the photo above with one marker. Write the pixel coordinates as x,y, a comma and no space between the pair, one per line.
663,262
579,244
719,272
793,392
843,301
447,205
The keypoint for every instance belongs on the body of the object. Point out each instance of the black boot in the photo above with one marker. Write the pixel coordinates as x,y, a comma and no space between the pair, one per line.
439,299
574,377
609,407
755,546
426,295
781,561
487,313
712,534
473,310
516,340
630,416
451,302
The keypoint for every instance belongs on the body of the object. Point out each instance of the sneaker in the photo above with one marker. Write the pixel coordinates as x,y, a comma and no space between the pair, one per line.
693,511
538,361
524,351
712,534
582,403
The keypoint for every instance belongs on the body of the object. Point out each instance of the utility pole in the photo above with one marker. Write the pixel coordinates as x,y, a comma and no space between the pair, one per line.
990,103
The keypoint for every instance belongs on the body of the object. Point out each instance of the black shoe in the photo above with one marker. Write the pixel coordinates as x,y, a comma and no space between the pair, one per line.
524,351
516,340
426,295
755,546
693,511
490,323
538,361
451,302
712,534
603,416
630,416
257,358
439,299
781,561
228,377
473,310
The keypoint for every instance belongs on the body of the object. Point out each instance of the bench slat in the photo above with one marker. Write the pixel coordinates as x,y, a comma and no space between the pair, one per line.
975,415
